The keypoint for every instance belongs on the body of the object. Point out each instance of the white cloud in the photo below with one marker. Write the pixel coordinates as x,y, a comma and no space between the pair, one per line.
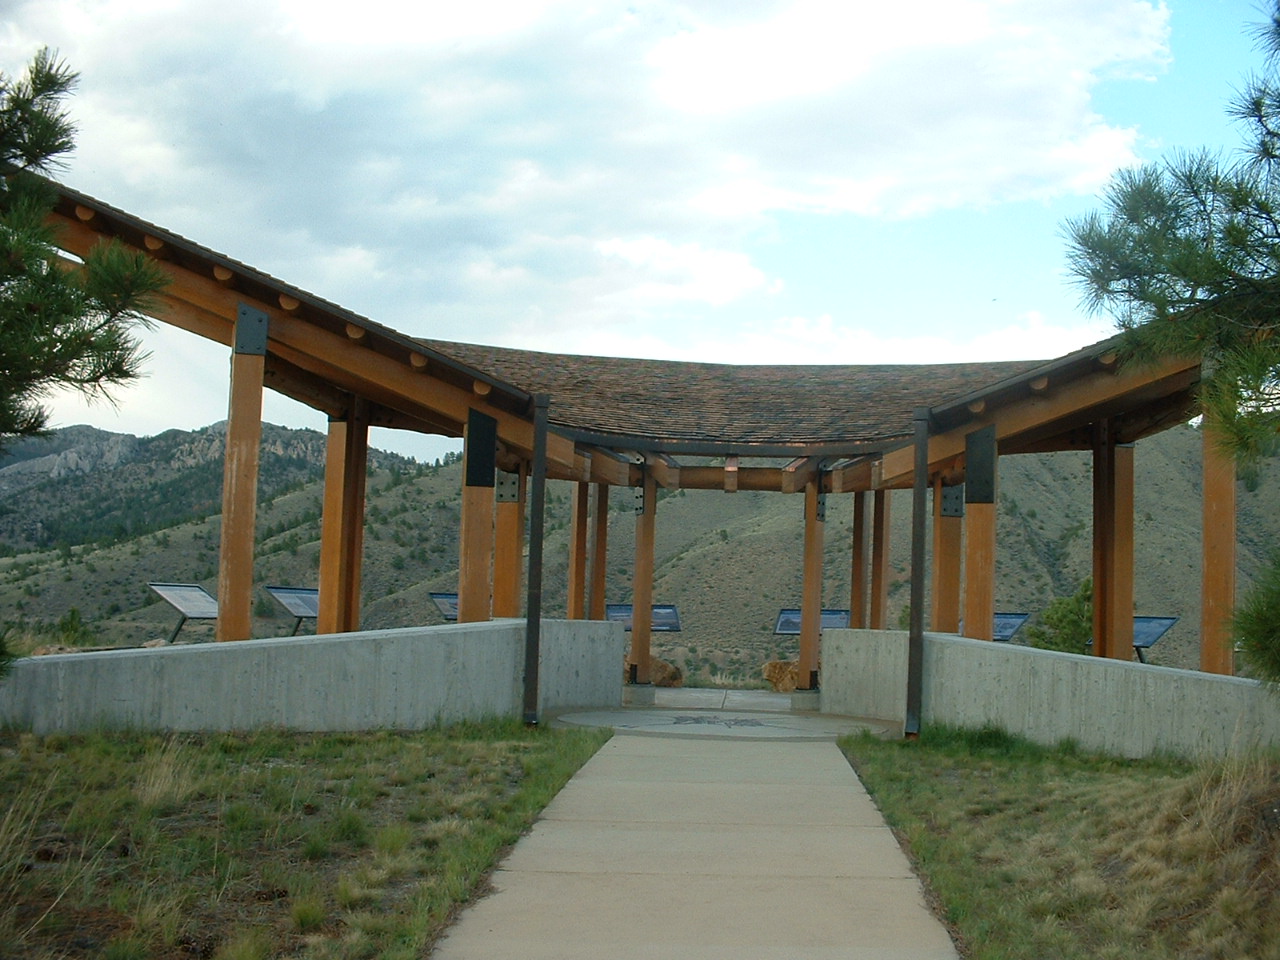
606,177
666,272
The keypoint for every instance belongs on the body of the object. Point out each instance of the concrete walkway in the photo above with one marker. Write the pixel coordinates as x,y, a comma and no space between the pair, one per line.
705,846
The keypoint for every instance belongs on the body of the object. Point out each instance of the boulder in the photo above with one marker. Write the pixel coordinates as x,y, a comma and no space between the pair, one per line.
781,674
661,673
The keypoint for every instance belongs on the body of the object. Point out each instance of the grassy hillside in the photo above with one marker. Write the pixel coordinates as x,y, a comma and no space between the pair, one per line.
88,518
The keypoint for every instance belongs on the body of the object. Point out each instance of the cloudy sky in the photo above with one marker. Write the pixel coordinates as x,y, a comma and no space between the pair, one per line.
799,181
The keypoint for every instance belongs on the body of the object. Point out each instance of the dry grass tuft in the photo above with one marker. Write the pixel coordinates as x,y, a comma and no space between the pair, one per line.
1033,852
168,776
250,846
1216,842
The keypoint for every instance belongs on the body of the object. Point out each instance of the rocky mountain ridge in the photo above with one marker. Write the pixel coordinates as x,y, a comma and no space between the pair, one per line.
89,518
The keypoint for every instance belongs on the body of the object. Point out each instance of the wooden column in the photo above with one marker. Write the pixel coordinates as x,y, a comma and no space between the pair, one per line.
578,539
811,593
342,522
508,551
880,561
642,589
980,534
1112,545
858,570
598,560
1218,555
240,477
948,543
475,543
1121,592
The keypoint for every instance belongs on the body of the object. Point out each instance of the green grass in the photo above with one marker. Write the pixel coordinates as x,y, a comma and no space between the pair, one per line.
264,845
1031,852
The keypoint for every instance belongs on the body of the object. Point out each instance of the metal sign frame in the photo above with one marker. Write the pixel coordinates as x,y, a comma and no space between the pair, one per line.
447,604
301,602
191,600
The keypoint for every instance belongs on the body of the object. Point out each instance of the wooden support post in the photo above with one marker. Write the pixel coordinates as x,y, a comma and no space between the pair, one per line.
642,590
342,523
1121,592
1103,449
475,544
508,551
578,539
858,570
240,477
948,544
980,571
811,592
1218,555
1112,545
880,561
981,456
599,554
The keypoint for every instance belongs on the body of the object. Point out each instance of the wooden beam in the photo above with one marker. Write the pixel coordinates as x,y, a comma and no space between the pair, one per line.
642,587
748,478
391,382
342,521
599,555
880,561
579,524
858,610
730,474
1121,591
607,469
476,537
240,498
665,472
948,546
1066,403
508,550
1112,545
851,478
811,591
797,474
980,570
1218,554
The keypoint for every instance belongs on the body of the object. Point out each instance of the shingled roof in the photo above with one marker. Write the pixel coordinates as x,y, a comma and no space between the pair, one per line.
671,403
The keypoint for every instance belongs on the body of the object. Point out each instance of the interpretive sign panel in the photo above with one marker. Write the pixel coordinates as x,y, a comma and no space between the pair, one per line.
447,604
664,619
1008,624
302,602
191,600
1147,630
788,622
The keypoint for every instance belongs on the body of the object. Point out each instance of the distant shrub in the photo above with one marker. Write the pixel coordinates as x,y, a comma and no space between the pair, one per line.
1067,622
1256,624
6,658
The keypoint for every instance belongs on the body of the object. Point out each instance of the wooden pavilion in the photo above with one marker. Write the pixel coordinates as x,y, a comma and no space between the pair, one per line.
606,422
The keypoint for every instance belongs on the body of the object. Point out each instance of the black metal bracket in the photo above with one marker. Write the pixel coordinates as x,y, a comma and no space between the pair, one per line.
251,331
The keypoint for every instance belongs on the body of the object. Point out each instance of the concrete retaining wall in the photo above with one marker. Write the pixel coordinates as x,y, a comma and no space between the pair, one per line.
1129,709
399,679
